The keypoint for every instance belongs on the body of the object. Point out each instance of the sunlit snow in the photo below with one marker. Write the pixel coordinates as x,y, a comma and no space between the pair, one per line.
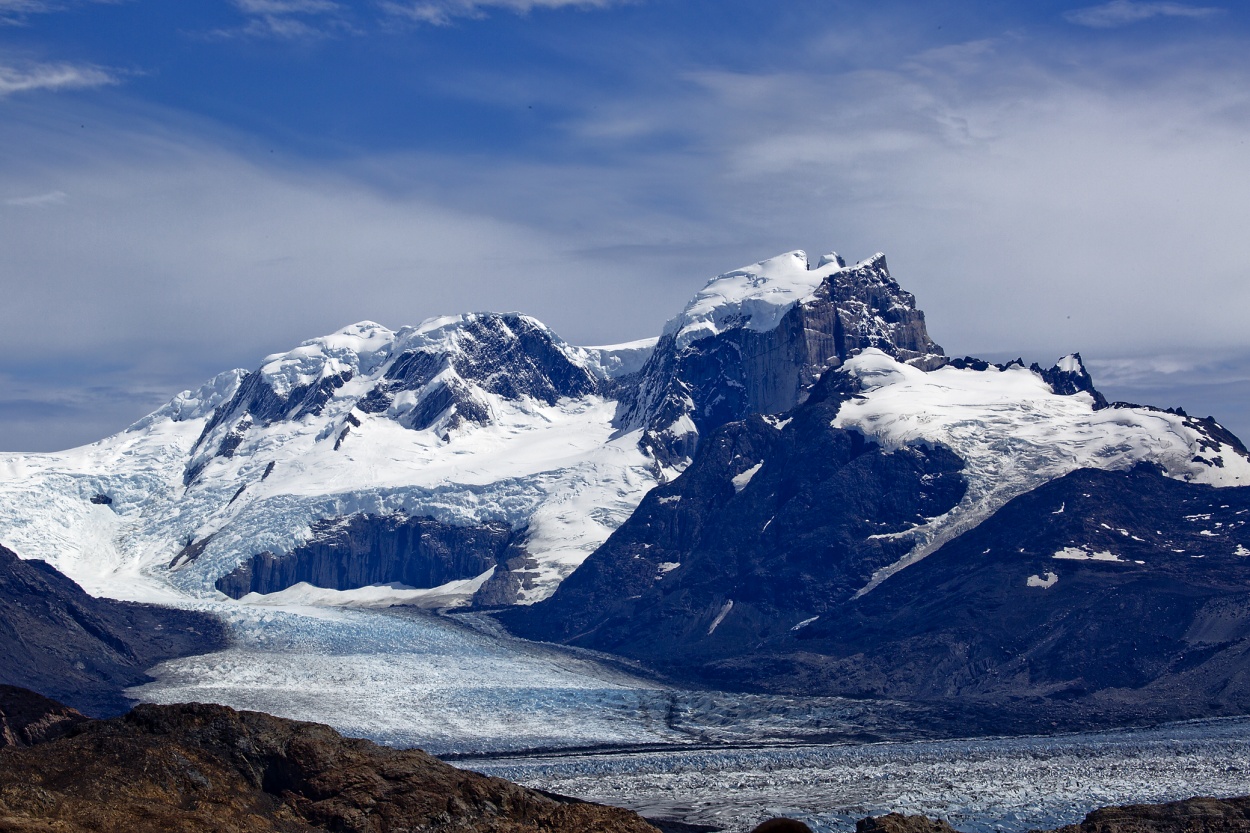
755,297
559,470
1013,434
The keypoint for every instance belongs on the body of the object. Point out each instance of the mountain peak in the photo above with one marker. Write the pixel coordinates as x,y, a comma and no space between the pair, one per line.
1069,376
754,297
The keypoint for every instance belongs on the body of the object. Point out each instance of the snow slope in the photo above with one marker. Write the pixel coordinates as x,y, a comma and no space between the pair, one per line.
492,418
250,461
755,297
1015,433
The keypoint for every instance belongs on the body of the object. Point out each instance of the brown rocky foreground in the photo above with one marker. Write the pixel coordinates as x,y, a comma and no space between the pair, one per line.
211,768
1194,815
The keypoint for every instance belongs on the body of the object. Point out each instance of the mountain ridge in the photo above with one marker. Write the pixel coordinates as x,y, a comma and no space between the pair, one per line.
465,426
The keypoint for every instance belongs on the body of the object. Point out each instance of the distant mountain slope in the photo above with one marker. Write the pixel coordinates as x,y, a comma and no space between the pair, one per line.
480,451
480,459
755,339
464,424
56,639
964,532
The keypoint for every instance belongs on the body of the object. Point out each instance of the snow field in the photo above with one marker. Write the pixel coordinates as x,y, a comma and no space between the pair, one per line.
1014,434
755,297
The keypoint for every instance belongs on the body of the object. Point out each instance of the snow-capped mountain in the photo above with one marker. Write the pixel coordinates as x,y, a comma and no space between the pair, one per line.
971,530
470,422
755,339
480,457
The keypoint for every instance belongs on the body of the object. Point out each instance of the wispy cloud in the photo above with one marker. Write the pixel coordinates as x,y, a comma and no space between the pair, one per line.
1125,12
289,20
17,12
443,12
52,77
37,200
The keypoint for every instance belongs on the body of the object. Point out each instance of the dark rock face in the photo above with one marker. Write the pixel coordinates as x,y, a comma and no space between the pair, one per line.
743,573
740,372
511,356
900,823
367,549
1070,381
1143,613
27,718
210,768
85,651
1194,815
766,528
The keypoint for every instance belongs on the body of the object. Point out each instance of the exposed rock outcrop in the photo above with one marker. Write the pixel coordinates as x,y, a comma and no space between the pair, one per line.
702,376
27,718
901,823
366,549
1194,815
210,768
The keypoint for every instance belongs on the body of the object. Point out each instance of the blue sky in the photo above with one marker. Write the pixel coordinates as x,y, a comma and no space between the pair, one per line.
188,186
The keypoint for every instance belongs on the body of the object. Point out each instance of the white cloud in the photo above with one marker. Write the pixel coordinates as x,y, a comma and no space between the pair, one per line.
1125,12
1035,202
52,77
287,6
176,259
289,20
37,200
17,11
443,12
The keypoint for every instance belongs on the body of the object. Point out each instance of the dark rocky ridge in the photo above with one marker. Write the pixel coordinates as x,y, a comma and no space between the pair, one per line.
808,529
366,549
27,718
1193,815
741,372
82,650
751,584
994,615
1068,382
209,768
511,356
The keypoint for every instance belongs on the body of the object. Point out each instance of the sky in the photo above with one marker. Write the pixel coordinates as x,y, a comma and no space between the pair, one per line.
186,187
